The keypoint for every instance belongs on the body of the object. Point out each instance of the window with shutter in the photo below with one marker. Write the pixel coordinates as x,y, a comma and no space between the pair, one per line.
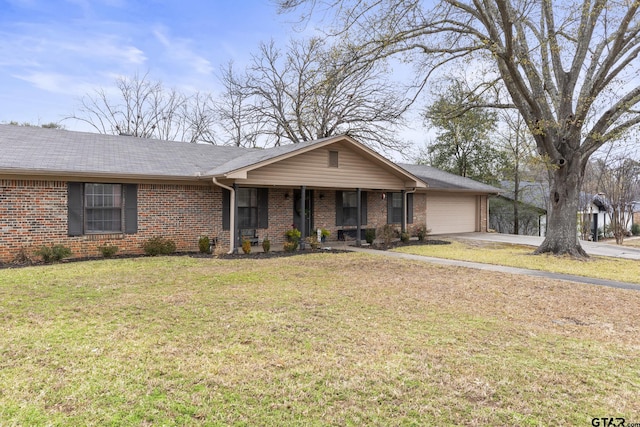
95,208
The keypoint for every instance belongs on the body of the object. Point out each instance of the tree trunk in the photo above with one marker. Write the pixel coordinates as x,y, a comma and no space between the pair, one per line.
562,218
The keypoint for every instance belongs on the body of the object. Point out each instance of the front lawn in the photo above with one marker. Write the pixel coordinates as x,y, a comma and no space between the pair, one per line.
323,339
622,270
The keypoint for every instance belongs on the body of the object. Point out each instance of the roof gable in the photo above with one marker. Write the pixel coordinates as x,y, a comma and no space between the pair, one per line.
241,167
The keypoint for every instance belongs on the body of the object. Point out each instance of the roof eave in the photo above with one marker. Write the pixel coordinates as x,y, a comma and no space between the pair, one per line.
48,173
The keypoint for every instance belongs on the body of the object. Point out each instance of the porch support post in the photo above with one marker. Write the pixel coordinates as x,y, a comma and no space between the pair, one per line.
358,216
404,211
235,238
303,214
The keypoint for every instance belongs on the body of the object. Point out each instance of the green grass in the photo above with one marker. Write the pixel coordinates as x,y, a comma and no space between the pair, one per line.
327,339
623,270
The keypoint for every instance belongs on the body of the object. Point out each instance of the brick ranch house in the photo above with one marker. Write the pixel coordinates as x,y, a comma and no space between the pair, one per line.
86,190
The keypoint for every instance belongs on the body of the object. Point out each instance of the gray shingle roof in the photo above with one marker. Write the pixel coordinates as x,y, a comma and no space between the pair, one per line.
34,149
530,193
441,180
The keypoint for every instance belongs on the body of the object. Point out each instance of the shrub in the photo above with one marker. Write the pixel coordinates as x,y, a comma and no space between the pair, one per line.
108,251
421,232
313,242
54,253
22,257
635,229
293,235
370,235
246,246
204,244
220,251
290,246
266,245
405,237
159,246
386,233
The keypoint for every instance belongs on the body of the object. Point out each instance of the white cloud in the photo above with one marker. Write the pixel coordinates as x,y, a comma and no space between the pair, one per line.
181,51
56,83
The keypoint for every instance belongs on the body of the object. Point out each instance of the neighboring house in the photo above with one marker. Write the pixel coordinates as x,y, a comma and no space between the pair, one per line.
532,208
594,218
86,190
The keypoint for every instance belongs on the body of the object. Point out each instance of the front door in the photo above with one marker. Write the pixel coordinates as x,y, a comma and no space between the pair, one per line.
298,211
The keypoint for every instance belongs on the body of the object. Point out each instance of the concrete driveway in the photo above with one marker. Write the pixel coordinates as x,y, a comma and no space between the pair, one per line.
592,248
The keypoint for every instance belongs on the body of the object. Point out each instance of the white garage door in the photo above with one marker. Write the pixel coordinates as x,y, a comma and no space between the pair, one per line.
451,214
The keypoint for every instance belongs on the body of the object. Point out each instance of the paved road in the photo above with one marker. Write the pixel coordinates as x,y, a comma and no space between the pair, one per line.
591,248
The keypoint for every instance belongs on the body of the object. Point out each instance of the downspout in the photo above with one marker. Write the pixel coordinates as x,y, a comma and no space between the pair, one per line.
405,208
232,217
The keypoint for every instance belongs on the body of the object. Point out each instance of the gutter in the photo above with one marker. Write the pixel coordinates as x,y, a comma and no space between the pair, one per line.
232,218
404,210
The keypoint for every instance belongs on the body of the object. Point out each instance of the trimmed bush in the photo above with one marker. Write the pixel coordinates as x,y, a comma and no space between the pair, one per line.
635,229
159,246
293,235
290,246
266,245
204,244
108,251
370,235
246,246
54,253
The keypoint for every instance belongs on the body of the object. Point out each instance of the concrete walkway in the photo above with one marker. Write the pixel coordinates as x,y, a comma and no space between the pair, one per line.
513,270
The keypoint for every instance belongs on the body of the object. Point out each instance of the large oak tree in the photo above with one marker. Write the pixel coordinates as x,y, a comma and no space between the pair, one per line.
570,69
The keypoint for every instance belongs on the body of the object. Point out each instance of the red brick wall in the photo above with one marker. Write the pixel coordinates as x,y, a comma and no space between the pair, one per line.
484,212
34,213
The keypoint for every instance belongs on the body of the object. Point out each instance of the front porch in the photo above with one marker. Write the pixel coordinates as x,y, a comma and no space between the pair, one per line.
339,211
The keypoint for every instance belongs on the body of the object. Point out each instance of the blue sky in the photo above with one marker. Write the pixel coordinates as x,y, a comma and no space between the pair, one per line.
55,51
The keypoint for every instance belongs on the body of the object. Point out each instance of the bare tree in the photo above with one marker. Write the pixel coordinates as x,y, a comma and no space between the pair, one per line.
312,91
619,180
147,109
517,143
569,67
236,119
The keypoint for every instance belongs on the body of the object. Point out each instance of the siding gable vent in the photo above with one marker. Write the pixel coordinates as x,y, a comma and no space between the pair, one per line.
333,159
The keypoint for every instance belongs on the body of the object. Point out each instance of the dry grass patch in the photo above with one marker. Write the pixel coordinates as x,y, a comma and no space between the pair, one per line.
323,339
633,242
521,256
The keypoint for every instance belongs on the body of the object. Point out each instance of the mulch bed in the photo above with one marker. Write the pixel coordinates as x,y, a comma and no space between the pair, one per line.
239,255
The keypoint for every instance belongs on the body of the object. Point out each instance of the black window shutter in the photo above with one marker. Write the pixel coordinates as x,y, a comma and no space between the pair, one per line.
226,209
389,208
410,208
130,208
263,208
339,212
363,206
75,218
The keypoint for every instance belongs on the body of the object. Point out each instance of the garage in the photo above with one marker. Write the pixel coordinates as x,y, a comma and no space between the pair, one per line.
451,213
